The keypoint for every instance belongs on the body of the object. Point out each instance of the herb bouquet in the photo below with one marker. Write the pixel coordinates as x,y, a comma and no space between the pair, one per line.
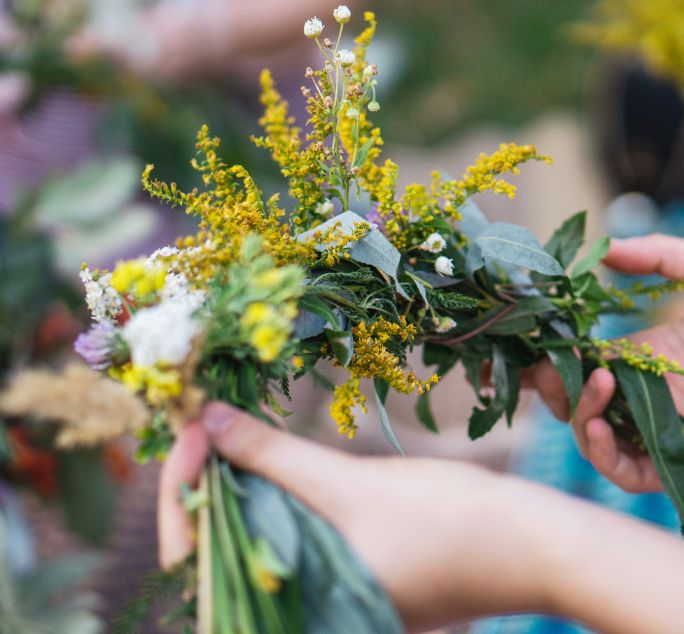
356,273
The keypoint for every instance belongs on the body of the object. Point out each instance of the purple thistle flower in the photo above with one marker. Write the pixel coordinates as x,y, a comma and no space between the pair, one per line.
97,345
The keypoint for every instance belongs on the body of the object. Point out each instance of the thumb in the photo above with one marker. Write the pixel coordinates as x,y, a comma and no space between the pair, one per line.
317,475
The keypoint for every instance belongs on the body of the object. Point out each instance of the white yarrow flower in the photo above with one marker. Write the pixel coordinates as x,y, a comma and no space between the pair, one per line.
313,27
177,289
345,57
161,334
444,265
434,243
103,301
342,14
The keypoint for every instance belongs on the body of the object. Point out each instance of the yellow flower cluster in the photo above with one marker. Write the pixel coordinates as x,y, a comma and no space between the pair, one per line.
229,212
372,360
345,398
484,174
651,29
301,166
133,276
639,356
268,329
159,384
339,242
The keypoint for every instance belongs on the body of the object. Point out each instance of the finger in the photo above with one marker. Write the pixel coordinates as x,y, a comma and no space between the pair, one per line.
551,390
635,474
184,464
317,475
593,401
656,253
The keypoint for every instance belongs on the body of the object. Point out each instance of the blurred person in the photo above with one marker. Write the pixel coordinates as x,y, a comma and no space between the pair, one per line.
640,140
449,541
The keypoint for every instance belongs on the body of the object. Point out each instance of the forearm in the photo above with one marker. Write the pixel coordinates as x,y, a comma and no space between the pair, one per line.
599,567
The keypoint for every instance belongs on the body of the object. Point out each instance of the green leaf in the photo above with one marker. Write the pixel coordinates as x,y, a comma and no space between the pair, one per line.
316,305
342,344
567,240
650,402
373,249
425,414
516,245
593,258
482,421
381,389
569,367
362,154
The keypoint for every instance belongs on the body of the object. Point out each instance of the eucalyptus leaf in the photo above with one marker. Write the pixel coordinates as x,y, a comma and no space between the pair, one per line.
516,245
373,249
381,389
308,324
650,402
473,221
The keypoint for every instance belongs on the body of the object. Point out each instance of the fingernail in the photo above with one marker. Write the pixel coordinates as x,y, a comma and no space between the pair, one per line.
216,419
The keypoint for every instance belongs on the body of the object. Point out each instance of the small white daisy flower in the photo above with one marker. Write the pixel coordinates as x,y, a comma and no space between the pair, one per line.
313,27
434,243
345,57
342,14
444,265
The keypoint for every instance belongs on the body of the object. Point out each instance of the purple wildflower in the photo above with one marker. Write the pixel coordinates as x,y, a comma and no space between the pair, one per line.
376,219
96,345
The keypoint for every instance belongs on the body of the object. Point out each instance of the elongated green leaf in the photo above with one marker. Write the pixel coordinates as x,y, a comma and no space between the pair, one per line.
567,239
473,221
569,367
381,389
593,258
425,414
362,154
316,305
651,404
342,344
516,245
482,421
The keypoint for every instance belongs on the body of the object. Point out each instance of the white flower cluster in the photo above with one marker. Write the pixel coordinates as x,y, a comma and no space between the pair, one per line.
103,301
434,243
177,289
161,334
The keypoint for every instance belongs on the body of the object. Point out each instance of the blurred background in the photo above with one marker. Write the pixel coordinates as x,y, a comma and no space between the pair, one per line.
92,90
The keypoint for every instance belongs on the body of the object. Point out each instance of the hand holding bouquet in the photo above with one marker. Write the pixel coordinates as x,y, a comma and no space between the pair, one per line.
357,273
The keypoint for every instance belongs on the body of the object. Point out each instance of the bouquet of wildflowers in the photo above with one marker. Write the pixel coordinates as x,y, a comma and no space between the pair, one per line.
357,273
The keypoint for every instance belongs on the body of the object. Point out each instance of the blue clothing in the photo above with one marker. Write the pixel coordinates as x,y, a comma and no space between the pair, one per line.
552,458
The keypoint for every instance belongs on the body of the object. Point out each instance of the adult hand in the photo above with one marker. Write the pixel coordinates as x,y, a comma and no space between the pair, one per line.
448,541
618,460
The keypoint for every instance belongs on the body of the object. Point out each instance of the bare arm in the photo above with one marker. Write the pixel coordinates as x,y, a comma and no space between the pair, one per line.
480,543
